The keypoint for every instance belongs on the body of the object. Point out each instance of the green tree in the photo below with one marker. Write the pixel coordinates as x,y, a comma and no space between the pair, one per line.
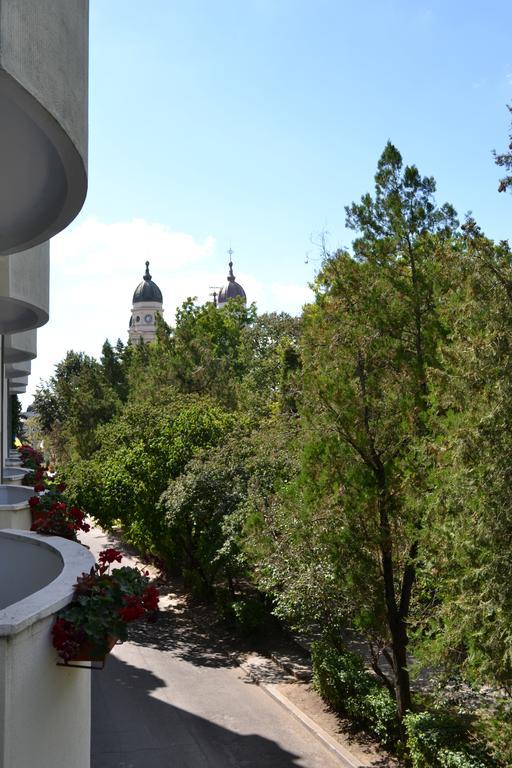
368,343
504,160
139,452
113,368
270,347
16,423
73,403
467,569
204,353
200,508
47,406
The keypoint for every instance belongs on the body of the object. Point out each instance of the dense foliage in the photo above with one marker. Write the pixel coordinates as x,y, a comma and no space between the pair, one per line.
349,469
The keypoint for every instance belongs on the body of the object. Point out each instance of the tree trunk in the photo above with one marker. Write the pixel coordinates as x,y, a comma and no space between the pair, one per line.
402,681
396,621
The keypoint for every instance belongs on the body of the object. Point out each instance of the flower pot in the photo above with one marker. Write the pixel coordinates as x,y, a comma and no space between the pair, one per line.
87,652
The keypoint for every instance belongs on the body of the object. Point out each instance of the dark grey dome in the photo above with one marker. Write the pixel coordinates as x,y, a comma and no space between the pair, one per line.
147,290
232,289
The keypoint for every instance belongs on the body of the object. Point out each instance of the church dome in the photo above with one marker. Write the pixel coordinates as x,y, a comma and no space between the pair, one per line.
147,290
232,289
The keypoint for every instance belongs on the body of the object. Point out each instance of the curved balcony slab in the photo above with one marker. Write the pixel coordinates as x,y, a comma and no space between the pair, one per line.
44,709
14,464
37,574
14,475
24,288
18,386
43,132
15,370
15,511
20,346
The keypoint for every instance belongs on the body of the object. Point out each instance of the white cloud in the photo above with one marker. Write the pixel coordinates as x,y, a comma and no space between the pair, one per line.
96,266
96,248
276,297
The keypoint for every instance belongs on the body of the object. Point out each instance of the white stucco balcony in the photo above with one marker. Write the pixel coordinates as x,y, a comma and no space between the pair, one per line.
25,289
13,475
21,368
43,103
20,346
18,385
14,508
44,708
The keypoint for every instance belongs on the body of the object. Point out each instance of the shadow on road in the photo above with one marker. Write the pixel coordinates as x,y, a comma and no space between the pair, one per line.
190,630
133,728
186,631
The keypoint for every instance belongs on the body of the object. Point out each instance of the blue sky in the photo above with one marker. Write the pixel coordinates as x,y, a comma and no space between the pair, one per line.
254,122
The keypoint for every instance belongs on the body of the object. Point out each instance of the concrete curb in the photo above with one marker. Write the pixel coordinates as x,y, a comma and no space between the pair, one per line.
301,672
346,758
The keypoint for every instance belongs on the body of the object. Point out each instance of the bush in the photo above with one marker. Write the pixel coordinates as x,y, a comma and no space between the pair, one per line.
139,453
440,740
338,677
250,616
494,731
460,758
380,713
342,680
246,615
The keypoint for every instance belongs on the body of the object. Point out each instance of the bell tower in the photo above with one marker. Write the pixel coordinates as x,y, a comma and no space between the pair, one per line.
147,303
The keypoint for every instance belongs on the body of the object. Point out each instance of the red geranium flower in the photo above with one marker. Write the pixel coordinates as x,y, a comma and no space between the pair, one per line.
132,610
150,598
110,555
34,501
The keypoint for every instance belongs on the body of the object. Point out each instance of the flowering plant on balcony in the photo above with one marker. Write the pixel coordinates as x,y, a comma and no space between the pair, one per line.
35,477
52,515
105,602
30,457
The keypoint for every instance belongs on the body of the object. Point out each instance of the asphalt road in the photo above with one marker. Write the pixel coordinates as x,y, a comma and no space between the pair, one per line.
170,699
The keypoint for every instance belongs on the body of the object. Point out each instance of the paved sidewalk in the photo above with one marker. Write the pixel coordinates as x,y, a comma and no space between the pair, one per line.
171,698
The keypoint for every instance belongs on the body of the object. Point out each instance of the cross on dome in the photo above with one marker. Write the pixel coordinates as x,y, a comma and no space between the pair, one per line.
232,289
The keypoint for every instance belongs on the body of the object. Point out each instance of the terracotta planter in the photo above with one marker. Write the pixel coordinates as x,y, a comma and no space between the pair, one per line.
86,652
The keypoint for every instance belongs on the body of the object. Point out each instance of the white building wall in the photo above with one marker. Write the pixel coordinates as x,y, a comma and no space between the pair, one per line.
45,710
